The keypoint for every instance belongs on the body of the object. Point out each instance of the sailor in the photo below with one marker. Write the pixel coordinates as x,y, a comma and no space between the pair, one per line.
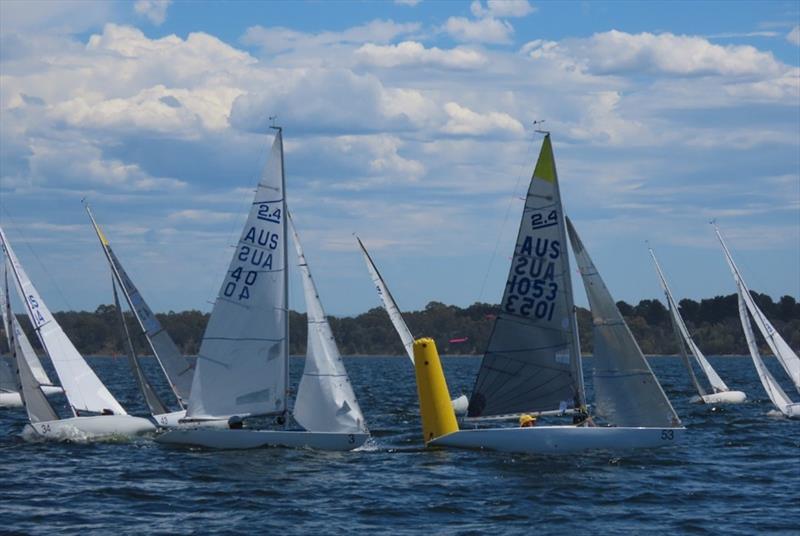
527,421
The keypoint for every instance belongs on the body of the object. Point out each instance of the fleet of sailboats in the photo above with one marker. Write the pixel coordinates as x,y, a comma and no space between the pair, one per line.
237,395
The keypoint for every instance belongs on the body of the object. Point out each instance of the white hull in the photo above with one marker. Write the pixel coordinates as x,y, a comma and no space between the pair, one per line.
251,439
11,399
51,389
169,420
559,439
725,397
792,410
83,428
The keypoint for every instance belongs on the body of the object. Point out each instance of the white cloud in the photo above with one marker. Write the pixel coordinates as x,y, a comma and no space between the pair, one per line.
502,8
413,53
410,3
486,30
463,121
53,16
154,10
794,36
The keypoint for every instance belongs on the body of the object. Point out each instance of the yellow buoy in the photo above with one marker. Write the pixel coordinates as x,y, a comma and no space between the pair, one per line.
435,407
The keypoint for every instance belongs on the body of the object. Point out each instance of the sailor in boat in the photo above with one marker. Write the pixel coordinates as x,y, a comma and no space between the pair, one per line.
527,421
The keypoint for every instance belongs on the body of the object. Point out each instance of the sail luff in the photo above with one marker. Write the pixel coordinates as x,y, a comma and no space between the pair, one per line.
786,356
83,388
325,399
389,304
627,392
175,367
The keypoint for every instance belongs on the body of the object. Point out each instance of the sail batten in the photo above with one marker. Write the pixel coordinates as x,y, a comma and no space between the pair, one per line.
532,361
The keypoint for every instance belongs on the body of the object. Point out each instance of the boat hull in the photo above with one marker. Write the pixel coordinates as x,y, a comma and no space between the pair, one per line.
92,427
252,439
11,399
792,410
559,439
725,397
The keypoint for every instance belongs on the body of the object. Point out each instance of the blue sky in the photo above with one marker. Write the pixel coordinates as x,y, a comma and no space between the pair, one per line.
409,123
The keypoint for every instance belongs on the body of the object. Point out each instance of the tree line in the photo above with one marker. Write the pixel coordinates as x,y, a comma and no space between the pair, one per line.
713,322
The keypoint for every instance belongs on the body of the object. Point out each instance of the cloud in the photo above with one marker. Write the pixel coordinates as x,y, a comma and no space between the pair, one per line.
621,53
463,121
502,8
413,53
487,30
54,16
794,36
154,10
278,39
410,3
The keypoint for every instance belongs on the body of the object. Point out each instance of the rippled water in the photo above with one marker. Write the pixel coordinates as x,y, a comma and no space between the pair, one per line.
738,472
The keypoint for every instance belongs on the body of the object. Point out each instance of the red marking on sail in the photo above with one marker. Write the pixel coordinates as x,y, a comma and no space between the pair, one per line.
456,341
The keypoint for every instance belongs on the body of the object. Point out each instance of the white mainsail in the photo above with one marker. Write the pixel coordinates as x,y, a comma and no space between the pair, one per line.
532,361
786,356
325,399
774,391
713,378
627,392
242,367
176,367
389,304
84,390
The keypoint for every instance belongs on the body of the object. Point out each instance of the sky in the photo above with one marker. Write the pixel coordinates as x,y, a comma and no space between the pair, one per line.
410,123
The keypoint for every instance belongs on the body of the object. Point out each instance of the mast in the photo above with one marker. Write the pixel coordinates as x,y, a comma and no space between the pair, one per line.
285,264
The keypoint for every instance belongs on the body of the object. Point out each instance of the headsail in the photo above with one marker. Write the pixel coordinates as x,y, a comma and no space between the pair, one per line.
532,361
627,392
389,304
325,399
242,368
774,391
786,356
33,398
176,367
716,382
84,390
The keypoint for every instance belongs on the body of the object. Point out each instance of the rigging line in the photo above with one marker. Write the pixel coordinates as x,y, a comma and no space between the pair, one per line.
505,220
43,266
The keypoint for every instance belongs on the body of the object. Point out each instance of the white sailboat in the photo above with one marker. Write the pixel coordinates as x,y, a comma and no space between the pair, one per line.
459,404
95,410
532,364
242,370
175,366
721,392
786,357
9,386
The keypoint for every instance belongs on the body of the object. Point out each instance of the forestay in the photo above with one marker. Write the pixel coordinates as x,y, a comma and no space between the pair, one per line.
389,304
532,360
84,390
176,367
242,366
786,356
325,400
626,391
716,382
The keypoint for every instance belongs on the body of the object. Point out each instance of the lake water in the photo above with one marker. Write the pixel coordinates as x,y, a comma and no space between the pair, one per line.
737,472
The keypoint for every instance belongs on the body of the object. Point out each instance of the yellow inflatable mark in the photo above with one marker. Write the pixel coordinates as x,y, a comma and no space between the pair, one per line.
435,407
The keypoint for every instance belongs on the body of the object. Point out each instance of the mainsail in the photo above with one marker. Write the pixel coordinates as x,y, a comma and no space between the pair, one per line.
84,390
627,392
325,400
532,361
389,304
786,356
242,367
176,368
716,382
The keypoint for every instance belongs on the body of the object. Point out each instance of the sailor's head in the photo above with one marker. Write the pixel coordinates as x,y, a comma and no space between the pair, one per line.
526,421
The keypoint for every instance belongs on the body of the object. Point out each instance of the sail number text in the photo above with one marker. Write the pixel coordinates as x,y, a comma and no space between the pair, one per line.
531,288
36,314
254,255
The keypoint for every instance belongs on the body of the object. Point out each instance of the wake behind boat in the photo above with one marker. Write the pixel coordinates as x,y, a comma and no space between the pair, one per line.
532,365
242,370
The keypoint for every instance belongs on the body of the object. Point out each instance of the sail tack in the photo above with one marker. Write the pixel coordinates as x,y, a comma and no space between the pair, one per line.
325,399
242,366
532,362
627,392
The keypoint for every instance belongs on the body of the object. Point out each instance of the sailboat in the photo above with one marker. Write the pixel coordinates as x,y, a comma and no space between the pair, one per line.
242,370
786,357
175,366
95,410
721,392
9,386
532,363
461,403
